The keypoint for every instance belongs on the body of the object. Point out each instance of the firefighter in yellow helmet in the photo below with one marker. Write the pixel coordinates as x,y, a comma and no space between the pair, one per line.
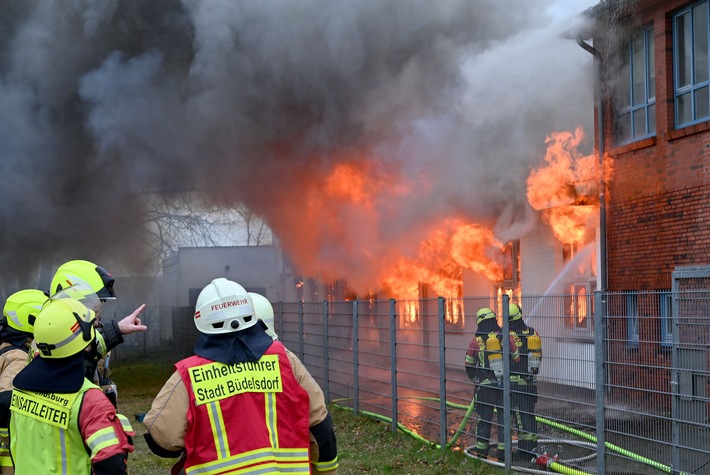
58,418
483,366
109,334
18,317
238,373
523,381
323,443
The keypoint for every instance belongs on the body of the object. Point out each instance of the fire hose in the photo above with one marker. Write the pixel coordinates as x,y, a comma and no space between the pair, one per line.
544,459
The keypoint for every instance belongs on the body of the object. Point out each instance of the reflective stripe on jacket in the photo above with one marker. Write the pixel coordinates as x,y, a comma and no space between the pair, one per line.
44,432
247,417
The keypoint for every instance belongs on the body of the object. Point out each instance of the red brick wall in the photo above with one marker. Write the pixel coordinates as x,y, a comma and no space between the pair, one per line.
658,201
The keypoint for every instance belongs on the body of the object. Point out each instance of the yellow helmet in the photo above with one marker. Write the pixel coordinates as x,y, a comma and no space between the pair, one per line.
265,312
74,272
21,309
514,312
64,327
484,314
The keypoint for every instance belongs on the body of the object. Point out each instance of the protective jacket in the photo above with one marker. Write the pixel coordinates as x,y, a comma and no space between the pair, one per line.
12,360
523,390
60,433
519,369
273,432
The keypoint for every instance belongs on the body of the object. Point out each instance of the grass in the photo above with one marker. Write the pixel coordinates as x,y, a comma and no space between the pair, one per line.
364,445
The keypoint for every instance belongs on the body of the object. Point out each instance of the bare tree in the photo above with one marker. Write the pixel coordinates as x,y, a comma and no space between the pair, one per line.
187,220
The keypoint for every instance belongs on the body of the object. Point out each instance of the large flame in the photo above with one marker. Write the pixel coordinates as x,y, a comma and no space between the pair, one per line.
346,232
565,190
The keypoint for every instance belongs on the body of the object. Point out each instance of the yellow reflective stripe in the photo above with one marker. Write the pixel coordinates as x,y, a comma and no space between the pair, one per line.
63,452
126,424
271,419
327,466
101,439
214,410
287,460
5,460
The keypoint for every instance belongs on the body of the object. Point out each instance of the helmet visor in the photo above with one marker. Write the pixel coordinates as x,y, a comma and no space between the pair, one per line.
106,293
82,293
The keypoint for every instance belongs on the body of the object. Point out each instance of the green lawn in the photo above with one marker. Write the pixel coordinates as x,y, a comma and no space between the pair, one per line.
364,445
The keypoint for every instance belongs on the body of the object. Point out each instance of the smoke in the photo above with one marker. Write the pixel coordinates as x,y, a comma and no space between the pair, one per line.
103,101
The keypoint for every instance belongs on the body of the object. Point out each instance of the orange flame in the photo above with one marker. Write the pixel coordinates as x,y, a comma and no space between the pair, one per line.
565,191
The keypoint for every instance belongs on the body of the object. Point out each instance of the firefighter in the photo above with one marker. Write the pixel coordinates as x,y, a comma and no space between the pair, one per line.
19,314
57,417
523,381
108,335
265,312
239,373
489,391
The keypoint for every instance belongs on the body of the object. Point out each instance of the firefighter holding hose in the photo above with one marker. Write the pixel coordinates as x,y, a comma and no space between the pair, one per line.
240,404
523,381
484,366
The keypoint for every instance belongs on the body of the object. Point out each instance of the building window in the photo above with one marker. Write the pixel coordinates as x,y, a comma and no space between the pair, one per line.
636,96
632,312
666,305
690,64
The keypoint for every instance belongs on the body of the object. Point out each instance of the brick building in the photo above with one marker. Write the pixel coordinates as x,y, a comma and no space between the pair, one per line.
653,127
656,130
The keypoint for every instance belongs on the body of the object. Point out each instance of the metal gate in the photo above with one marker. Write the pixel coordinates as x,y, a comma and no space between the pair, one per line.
691,357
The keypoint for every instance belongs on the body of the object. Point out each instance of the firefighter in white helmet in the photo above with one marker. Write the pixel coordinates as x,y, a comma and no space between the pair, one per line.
238,373
57,417
323,449
18,318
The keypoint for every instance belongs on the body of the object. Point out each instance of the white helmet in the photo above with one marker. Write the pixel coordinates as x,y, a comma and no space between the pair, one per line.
264,312
224,307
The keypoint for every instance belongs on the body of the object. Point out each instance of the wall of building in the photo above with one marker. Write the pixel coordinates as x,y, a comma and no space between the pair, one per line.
660,189
256,268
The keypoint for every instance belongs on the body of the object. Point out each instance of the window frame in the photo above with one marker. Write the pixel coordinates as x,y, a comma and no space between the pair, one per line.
632,324
693,87
666,312
628,112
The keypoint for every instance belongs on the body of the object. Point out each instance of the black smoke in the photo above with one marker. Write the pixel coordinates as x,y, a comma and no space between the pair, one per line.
104,101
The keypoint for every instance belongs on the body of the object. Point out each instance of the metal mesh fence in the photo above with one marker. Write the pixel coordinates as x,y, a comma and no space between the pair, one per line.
622,387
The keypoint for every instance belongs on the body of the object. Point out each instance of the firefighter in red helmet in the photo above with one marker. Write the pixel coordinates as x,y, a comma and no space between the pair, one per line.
239,373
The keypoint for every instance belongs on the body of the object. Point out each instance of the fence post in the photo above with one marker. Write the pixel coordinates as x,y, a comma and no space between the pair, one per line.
326,361
281,319
442,373
600,377
393,359
301,336
507,431
356,362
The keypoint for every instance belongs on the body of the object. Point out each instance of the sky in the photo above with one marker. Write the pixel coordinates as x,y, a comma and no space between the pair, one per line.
103,102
